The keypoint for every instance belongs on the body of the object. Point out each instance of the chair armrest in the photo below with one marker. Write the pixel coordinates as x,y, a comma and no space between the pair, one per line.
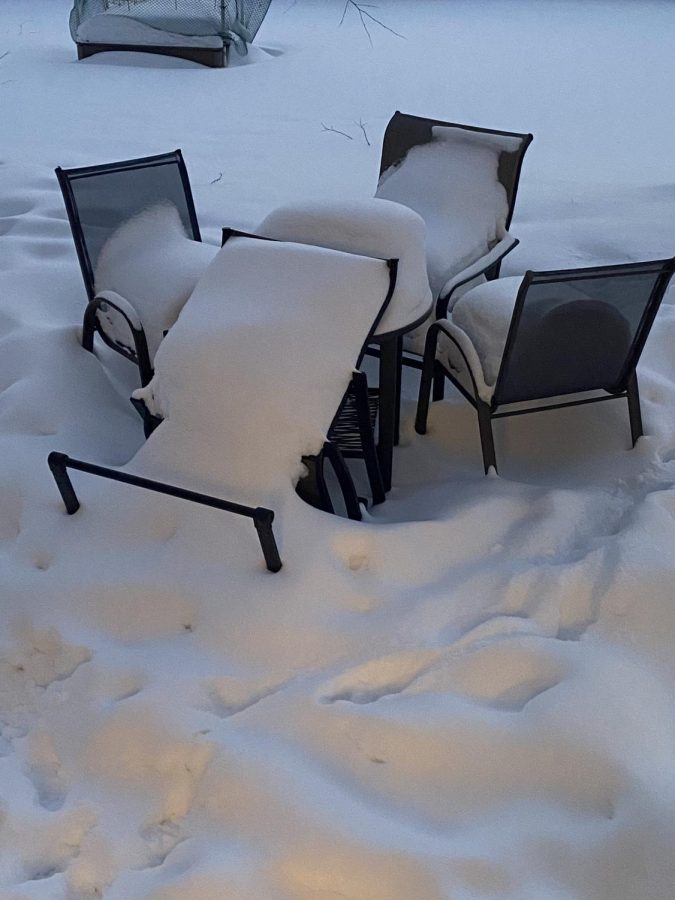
477,268
94,321
458,354
122,306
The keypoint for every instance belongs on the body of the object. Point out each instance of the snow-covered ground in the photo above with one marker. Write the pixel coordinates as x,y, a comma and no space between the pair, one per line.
469,694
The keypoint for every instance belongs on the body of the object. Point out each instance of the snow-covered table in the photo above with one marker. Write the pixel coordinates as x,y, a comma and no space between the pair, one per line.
379,228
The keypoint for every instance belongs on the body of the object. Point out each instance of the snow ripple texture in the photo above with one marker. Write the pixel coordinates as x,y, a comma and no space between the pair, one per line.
469,694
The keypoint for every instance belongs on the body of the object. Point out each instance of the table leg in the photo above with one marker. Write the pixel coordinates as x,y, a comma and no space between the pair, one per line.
390,391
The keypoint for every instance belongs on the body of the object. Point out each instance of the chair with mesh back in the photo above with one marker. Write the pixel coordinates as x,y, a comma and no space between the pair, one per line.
463,181
546,336
98,200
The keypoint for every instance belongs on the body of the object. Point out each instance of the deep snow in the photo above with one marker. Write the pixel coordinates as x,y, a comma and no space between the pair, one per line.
469,694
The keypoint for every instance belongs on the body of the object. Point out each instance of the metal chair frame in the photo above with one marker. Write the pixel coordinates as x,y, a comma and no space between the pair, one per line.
405,131
91,322
626,385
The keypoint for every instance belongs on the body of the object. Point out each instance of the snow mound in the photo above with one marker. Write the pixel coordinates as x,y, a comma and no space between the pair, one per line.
152,263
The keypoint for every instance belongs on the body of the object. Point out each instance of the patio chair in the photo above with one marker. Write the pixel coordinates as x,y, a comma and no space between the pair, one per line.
546,336
463,181
100,201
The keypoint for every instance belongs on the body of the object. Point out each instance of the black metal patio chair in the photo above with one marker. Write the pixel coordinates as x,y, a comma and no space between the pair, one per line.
406,133
572,332
98,200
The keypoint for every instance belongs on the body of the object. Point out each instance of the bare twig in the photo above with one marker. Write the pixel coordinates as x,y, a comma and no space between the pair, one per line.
337,131
216,180
362,126
363,14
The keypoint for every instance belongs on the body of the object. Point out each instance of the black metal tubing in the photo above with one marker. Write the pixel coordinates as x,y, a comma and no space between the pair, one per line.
262,518
91,325
314,490
443,301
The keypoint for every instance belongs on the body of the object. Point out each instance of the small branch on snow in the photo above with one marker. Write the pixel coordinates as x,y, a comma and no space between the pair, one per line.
362,126
337,131
363,14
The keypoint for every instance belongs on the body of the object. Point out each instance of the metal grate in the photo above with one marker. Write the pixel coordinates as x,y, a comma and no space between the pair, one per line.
345,430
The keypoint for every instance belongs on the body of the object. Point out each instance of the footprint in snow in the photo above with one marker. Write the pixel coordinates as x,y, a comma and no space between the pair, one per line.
229,695
379,677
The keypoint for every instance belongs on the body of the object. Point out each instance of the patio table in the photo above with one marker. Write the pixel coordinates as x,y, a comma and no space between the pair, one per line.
380,228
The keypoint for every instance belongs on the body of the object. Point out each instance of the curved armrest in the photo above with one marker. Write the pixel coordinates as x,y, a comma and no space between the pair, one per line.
477,268
92,322
460,354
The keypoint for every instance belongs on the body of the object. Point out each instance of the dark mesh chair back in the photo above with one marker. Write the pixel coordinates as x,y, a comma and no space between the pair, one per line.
100,198
579,330
405,132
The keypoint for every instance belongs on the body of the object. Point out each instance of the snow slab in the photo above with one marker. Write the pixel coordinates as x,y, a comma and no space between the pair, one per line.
467,695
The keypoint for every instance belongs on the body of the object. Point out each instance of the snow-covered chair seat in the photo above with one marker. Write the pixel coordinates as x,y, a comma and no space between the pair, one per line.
462,181
546,335
138,242
249,379
199,31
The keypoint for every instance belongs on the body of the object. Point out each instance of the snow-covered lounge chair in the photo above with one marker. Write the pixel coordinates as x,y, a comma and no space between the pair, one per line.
546,336
138,242
248,380
462,181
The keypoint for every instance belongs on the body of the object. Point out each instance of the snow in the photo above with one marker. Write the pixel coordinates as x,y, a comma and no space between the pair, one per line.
369,227
452,183
118,29
484,315
470,693
237,369
152,264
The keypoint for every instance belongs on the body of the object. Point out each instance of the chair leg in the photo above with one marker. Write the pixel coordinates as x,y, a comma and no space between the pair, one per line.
486,438
439,385
89,326
312,488
634,413
428,375
332,453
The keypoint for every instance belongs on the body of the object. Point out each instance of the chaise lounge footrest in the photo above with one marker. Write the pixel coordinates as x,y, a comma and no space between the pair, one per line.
262,518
